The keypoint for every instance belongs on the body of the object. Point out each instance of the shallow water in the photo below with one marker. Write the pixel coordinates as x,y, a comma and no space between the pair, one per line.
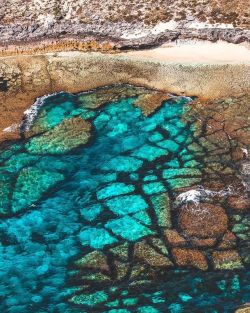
65,196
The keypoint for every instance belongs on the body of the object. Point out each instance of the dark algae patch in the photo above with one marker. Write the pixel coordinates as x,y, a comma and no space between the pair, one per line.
122,200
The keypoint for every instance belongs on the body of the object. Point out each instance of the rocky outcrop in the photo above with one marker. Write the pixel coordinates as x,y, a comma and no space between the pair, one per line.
190,258
25,78
203,221
116,25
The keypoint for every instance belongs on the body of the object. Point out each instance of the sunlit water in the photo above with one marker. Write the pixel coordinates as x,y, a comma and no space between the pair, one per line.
96,195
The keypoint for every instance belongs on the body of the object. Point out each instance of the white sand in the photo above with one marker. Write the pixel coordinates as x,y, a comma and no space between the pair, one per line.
196,52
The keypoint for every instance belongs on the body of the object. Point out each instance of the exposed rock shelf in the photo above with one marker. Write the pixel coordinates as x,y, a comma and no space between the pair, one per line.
24,78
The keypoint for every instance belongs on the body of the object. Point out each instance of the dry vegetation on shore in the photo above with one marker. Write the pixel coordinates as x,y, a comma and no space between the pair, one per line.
130,11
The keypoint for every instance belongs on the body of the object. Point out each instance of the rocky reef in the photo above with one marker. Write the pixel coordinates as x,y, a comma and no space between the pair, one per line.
137,189
25,78
124,156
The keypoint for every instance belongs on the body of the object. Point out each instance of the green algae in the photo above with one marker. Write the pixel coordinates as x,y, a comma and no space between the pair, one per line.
62,138
143,218
30,186
5,196
91,299
183,182
161,206
171,173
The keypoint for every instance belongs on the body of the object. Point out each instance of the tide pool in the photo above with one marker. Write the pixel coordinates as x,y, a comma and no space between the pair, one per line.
88,179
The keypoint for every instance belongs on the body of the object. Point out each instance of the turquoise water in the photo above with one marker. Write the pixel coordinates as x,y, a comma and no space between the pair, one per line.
64,195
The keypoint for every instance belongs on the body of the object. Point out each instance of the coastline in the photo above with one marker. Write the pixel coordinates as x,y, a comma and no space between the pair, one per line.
191,170
199,52
115,43
173,69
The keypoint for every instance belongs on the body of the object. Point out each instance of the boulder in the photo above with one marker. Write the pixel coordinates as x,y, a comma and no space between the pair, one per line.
203,221
174,239
227,260
190,258
239,203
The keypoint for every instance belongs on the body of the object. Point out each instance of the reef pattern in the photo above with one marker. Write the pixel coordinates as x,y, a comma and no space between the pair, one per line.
125,199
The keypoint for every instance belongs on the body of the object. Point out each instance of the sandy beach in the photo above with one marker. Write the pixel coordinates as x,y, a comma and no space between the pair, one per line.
196,52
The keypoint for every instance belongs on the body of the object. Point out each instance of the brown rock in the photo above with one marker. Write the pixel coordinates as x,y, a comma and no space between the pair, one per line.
208,242
190,258
107,94
174,239
228,241
238,154
227,260
213,126
149,103
203,220
239,203
244,309
147,254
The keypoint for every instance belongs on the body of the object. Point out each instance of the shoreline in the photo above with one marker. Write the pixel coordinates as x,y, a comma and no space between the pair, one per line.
112,43
200,52
180,51
24,78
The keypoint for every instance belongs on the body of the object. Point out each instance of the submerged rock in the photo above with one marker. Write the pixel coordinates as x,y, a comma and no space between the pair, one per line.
91,299
239,203
116,210
174,239
190,258
67,135
94,260
150,102
228,241
161,206
146,254
31,184
227,260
